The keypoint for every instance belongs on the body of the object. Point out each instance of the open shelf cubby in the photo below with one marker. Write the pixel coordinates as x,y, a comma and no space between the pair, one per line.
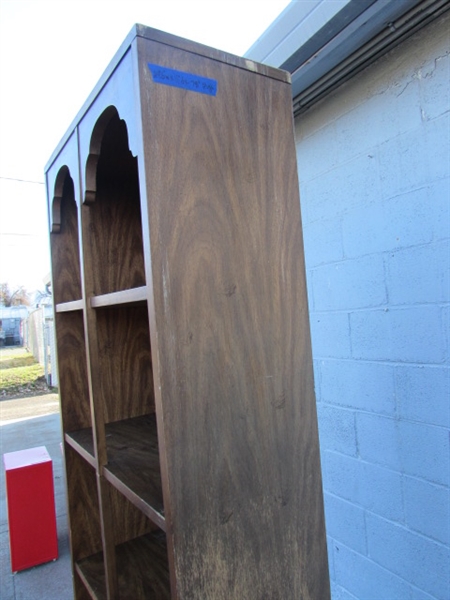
133,465
114,236
84,511
182,332
142,571
139,555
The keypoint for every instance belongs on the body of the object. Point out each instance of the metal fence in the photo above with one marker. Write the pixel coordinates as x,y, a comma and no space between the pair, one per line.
39,338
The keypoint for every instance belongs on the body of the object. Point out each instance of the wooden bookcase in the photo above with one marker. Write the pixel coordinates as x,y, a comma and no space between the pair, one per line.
185,369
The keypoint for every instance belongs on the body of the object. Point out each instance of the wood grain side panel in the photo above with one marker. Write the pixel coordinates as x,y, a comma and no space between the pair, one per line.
234,352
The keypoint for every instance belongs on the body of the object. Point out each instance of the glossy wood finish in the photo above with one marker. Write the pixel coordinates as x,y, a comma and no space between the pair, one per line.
183,336
69,306
131,296
230,309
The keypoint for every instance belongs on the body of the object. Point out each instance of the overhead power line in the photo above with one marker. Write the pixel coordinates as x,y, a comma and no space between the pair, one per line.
22,180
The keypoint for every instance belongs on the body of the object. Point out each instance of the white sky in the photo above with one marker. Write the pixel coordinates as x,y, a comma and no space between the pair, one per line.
52,52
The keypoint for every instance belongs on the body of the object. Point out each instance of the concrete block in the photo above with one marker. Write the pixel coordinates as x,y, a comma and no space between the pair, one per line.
403,163
330,335
312,155
344,475
445,315
419,275
345,523
389,335
330,557
379,440
425,451
433,75
422,562
337,429
439,199
381,492
388,114
369,486
433,80
317,382
423,394
358,283
416,594
396,222
366,579
323,242
340,593
367,386
427,508
436,148
343,188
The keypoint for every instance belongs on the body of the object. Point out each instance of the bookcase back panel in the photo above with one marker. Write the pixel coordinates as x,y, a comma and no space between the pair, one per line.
83,506
125,362
73,378
129,522
65,249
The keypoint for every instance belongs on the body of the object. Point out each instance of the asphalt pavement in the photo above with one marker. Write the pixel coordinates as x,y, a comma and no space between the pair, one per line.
27,423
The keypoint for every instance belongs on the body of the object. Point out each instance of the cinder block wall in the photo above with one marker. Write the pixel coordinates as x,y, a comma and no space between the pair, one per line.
375,193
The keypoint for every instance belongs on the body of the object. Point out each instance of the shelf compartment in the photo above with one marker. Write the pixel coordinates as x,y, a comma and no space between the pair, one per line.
69,306
124,362
72,367
114,245
143,572
84,510
123,297
133,462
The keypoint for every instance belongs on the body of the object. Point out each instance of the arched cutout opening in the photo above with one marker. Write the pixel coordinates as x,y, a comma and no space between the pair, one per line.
64,240
112,195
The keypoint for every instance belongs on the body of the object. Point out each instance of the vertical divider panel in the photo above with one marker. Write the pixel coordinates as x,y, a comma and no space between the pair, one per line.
97,408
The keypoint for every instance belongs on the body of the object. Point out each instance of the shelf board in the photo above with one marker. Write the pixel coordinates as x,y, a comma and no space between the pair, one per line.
82,441
69,306
130,296
91,572
142,569
133,462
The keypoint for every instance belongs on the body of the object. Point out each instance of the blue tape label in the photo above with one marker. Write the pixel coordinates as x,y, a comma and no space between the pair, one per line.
185,81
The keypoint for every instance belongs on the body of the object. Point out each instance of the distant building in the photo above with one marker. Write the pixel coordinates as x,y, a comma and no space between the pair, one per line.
11,329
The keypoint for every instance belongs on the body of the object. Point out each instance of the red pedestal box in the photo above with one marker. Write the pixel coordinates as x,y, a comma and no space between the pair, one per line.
31,507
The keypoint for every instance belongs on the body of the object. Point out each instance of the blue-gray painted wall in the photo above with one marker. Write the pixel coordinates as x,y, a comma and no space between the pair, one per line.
374,160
